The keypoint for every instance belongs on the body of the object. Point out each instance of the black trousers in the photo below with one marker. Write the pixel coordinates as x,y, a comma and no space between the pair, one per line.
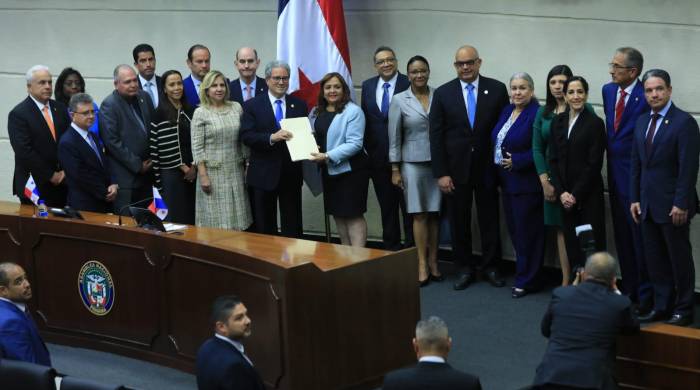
589,212
179,195
669,258
390,200
459,209
264,204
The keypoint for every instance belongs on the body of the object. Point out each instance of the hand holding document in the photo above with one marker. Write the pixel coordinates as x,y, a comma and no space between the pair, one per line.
302,143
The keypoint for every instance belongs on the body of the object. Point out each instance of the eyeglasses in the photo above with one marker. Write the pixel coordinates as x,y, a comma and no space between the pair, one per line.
277,79
614,66
86,113
72,83
386,61
469,63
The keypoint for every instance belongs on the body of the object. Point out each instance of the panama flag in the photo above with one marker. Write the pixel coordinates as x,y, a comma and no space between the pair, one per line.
158,206
31,191
311,38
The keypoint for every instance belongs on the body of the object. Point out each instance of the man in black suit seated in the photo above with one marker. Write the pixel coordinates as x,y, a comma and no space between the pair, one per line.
582,324
34,127
221,361
145,63
248,85
432,345
88,180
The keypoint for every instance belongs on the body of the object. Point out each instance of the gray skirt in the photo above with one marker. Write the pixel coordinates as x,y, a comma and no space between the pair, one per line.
420,187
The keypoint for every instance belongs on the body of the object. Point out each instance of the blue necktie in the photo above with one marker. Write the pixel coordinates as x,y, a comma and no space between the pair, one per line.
278,112
471,104
385,99
94,146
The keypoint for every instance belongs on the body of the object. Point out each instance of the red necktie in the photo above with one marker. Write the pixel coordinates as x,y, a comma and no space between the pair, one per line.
650,133
619,109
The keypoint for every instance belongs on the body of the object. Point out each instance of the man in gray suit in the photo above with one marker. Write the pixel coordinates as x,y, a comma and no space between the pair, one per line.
124,119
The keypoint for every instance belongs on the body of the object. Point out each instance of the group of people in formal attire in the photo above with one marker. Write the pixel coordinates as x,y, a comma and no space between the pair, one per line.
216,151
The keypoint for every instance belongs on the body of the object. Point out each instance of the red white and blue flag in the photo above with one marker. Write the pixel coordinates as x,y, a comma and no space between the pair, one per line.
158,206
312,39
31,191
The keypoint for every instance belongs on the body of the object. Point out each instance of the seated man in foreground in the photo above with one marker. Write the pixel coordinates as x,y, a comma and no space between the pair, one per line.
221,360
432,345
582,324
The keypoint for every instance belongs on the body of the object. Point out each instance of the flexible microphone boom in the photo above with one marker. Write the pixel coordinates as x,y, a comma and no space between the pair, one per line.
121,210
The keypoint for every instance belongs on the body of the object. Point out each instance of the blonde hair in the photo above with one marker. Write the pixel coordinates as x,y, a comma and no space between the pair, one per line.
207,83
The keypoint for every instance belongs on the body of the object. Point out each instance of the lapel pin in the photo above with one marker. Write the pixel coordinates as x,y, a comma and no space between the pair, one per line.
291,105
636,99
486,92
666,122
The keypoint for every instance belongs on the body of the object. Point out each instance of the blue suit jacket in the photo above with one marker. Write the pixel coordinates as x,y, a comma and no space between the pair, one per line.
257,125
220,366
620,141
190,92
19,336
236,94
87,178
376,125
522,178
667,176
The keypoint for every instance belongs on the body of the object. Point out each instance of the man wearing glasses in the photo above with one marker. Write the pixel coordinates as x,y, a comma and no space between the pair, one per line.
271,173
376,98
34,126
624,102
89,183
463,114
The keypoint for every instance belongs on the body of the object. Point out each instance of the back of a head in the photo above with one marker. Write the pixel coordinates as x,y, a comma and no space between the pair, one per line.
432,336
601,266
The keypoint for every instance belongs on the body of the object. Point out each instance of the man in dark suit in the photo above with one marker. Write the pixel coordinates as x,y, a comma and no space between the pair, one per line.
432,345
34,127
377,93
664,172
89,184
19,336
623,101
248,85
124,119
145,63
199,61
582,323
272,174
221,361
463,114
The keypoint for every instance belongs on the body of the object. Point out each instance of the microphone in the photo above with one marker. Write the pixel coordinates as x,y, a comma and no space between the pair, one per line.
121,210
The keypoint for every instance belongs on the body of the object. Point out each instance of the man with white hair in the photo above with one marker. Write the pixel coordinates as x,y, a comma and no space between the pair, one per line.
34,126
432,345
124,119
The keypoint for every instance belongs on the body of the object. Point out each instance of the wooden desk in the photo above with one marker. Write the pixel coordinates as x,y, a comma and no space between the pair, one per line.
660,357
324,316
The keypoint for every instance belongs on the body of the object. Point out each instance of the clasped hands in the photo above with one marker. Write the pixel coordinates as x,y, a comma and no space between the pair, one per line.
567,200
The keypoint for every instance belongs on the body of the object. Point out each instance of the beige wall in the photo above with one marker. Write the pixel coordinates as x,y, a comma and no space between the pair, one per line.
525,35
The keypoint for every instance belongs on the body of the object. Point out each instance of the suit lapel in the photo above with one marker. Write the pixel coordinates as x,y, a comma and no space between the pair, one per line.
259,86
662,133
630,107
414,104
39,116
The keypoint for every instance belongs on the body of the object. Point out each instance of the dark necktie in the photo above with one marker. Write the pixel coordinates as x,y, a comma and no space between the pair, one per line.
93,145
385,99
619,109
650,133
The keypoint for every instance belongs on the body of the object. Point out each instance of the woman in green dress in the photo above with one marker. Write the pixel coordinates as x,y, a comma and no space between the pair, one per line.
540,151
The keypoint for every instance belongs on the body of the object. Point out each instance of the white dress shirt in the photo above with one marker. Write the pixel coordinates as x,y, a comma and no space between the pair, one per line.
380,89
236,345
628,91
41,107
432,359
153,88
21,306
196,83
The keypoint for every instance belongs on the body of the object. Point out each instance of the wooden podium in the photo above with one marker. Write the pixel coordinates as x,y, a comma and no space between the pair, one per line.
324,316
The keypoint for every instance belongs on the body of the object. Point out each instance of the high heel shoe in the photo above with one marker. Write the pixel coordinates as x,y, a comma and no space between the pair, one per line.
438,278
424,283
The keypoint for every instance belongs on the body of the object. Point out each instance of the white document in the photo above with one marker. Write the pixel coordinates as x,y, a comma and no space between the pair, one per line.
303,142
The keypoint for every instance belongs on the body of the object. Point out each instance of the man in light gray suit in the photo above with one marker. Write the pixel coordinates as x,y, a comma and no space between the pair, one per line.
124,119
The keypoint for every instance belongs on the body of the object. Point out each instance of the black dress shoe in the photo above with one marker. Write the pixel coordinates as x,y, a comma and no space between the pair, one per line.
495,278
438,278
680,320
464,281
518,292
653,316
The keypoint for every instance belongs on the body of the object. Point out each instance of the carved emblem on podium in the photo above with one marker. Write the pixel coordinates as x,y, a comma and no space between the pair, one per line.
96,288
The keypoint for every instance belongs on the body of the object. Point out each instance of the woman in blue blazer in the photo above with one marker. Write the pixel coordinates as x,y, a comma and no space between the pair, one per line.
339,126
521,192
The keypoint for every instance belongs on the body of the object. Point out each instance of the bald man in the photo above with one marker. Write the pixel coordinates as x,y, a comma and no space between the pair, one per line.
124,119
582,324
248,85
